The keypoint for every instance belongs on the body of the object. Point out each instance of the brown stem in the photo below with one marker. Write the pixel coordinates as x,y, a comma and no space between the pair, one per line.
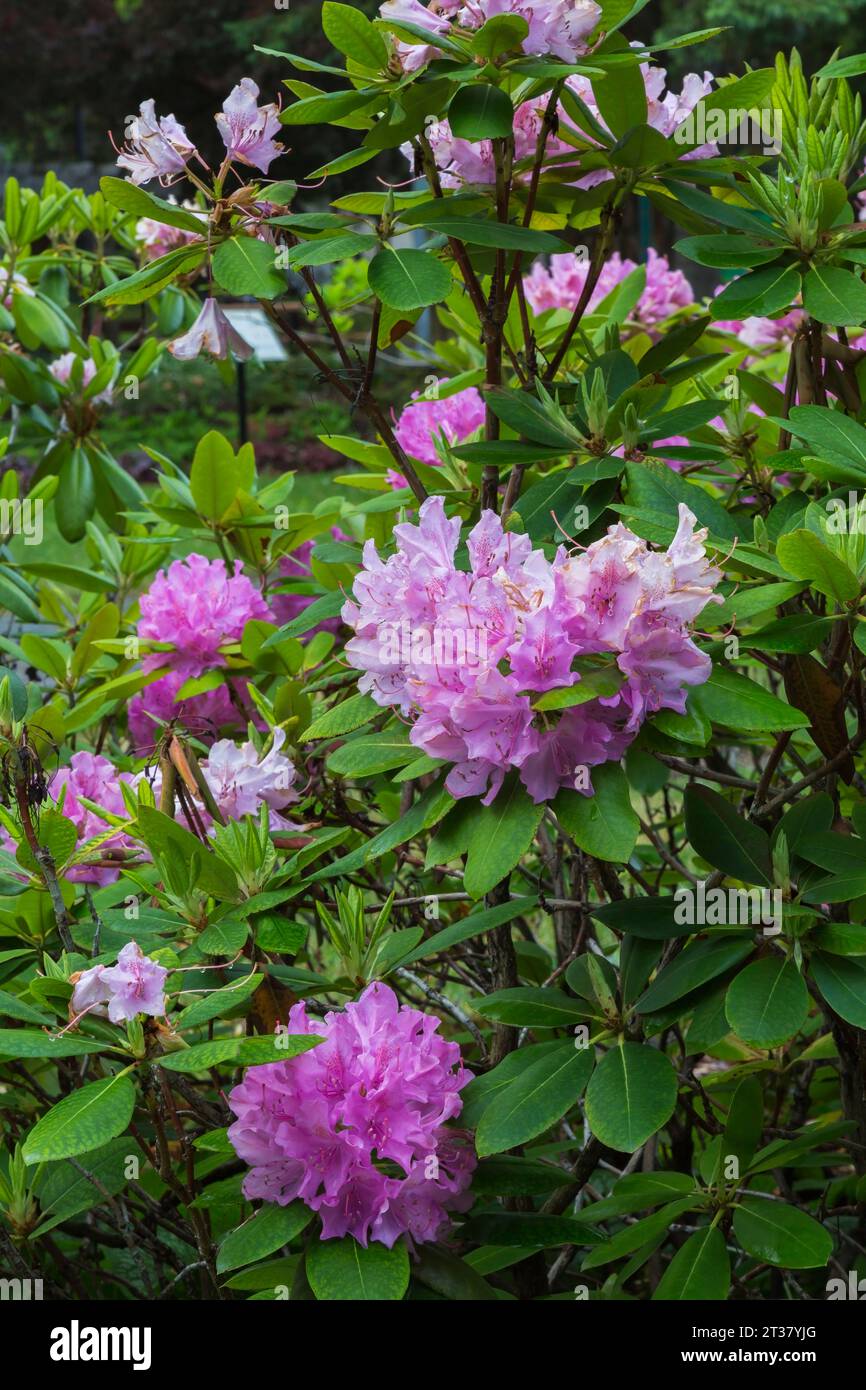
602,249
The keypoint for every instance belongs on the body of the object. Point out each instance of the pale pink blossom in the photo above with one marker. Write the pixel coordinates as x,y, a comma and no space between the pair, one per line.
211,333
248,129
155,147
61,370
135,985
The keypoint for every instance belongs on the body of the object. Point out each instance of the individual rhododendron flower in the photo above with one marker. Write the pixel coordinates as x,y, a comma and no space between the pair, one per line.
425,423
560,285
464,653
211,333
356,1127
241,778
91,776
61,370
135,985
197,605
248,129
156,148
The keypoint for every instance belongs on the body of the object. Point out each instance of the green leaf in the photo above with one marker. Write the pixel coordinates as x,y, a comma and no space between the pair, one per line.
843,984
130,198
500,834
216,476
82,1121
631,1094
781,1235
371,753
500,34
268,1230
449,1276
604,824
79,496
408,279
804,555
64,1191
700,1270
343,718
621,95
342,1270
28,1042
834,296
692,968
468,927
768,1002
240,1051
760,293
217,1003
331,107
479,111
642,1233
726,252
223,938
725,839
331,249
529,1007
245,265
480,231
536,1100
737,702
351,33
745,1122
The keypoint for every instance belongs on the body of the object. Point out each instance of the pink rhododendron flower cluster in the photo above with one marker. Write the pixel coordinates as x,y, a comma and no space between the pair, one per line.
471,161
355,1127
423,423
463,653
159,148
61,370
557,27
560,285
197,605
94,777
135,985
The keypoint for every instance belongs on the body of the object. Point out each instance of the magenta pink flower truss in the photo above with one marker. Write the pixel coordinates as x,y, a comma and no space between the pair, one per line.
425,423
464,653
197,605
355,1127
560,286
94,777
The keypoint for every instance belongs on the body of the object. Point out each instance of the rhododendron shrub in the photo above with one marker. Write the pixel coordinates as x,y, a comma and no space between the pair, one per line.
444,869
